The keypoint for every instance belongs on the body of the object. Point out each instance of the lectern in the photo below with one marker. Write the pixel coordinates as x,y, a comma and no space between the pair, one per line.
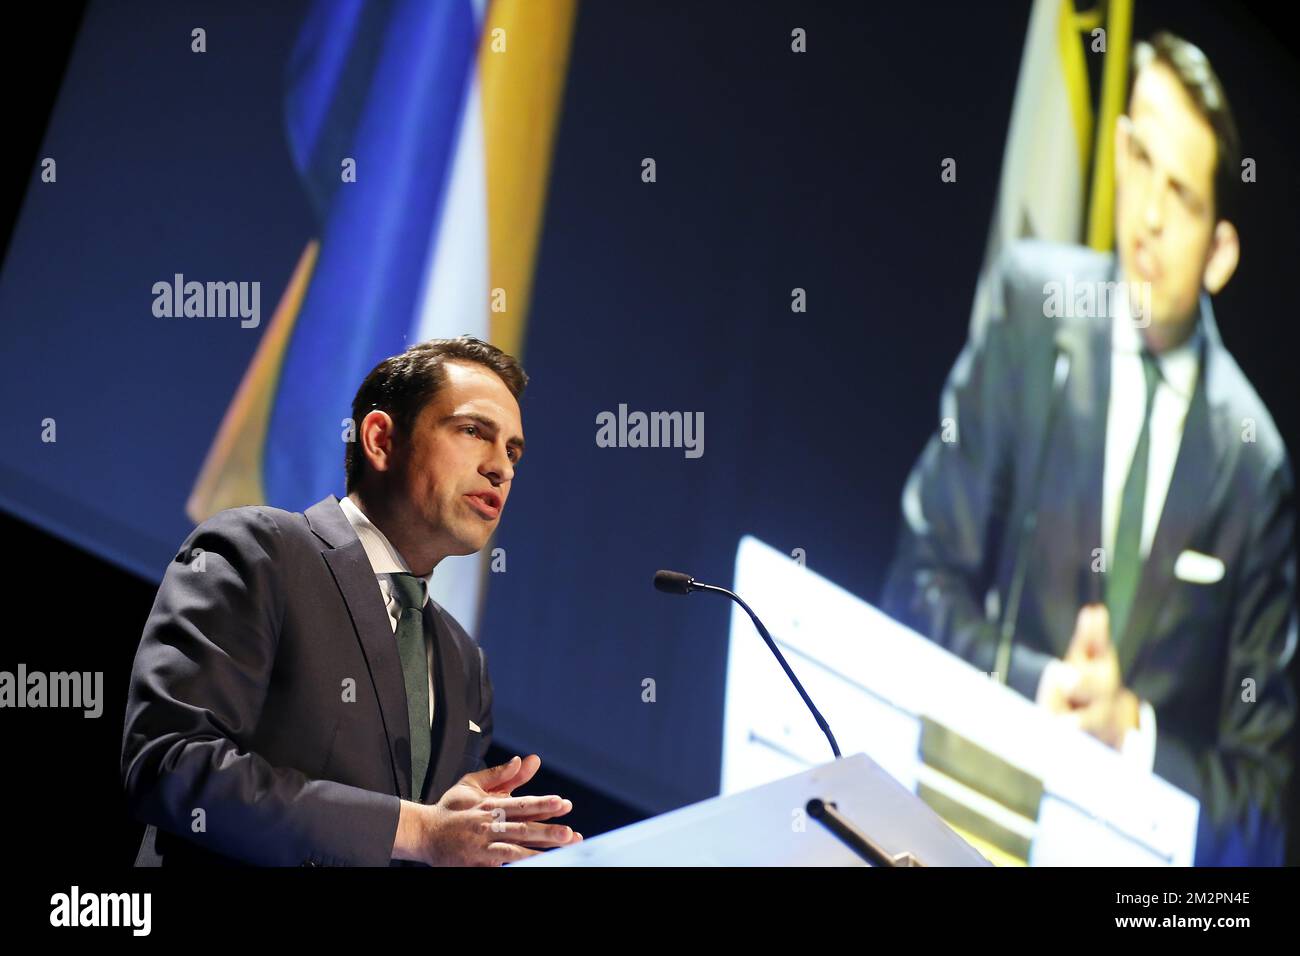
770,825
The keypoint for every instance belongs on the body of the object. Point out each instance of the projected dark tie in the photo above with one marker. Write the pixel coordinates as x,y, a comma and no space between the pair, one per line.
1126,564
415,673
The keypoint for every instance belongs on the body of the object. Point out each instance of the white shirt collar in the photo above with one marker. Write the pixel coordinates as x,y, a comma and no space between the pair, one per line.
384,558
1179,366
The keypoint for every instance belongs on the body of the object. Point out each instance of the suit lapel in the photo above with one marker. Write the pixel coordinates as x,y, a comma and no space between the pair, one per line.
1088,345
450,726
355,577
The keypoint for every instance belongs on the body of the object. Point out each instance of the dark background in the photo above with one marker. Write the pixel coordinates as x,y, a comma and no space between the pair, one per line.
774,171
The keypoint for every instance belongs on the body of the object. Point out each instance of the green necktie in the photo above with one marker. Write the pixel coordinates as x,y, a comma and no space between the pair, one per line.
1126,566
409,591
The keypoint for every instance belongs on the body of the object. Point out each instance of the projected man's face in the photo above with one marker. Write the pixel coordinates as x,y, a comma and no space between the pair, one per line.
452,475
1166,231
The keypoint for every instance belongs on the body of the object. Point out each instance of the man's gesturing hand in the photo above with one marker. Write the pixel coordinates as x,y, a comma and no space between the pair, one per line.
478,823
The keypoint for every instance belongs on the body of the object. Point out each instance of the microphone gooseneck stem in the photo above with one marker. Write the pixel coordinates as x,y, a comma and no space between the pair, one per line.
821,721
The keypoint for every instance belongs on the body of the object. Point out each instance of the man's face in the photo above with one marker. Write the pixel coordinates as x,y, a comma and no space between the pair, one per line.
1164,201
454,470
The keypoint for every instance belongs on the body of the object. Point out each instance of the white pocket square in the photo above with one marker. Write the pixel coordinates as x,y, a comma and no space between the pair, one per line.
1197,568
474,727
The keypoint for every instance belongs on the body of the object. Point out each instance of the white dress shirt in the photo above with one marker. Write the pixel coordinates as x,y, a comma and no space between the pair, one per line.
1179,368
386,561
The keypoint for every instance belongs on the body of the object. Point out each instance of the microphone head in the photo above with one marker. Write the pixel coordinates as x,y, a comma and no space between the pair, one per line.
673,582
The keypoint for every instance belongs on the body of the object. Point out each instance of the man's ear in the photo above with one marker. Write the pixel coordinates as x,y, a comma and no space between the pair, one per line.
376,438
1225,253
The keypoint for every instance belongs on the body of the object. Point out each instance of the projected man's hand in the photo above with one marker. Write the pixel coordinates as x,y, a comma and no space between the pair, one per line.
1098,702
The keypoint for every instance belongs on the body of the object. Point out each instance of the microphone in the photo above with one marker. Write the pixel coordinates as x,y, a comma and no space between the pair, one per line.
674,582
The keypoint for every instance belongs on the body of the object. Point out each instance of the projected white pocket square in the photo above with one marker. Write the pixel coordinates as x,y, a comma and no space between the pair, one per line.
474,727
1196,568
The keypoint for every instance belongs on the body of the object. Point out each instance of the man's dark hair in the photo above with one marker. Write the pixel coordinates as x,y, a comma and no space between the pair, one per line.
1197,77
404,384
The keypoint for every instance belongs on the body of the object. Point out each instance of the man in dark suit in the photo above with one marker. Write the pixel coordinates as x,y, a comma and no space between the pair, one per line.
296,698
1106,476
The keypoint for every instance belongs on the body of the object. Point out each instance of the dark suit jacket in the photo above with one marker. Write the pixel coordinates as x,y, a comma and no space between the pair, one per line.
1189,647
267,692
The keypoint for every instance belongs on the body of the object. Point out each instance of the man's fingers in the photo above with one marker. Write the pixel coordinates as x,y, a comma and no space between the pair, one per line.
544,814
1098,720
518,807
1071,680
493,777
534,834
1080,641
1091,719
1076,639
1101,622
509,853
1065,679
1091,638
1089,684
1099,634
1093,628
575,838
527,769
1098,680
